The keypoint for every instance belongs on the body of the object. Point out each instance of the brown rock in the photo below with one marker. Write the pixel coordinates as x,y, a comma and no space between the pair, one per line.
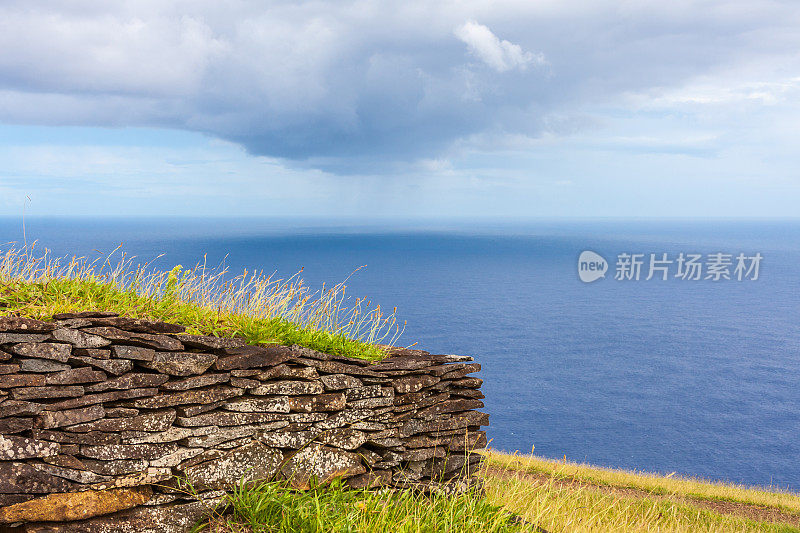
21,478
206,342
75,505
157,342
9,368
344,418
41,365
56,391
253,461
30,338
470,418
346,439
196,382
112,452
282,439
121,412
129,381
21,380
69,439
336,367
368,403
202,396
77,475
43,350
91,399
137,353
288,372
9,426
79,339
84,314
449,406
114,366
319,402
244,383
95,353
144,519
223,418
340,381
13,447
413,383
75,375
17,408
370,480
154,421
289,388
470,441
279,404
372,391
253,357
181,363
20,324
115,468
67,417
321,463
149,476
138,325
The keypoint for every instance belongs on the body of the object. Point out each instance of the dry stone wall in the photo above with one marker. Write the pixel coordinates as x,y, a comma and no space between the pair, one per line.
110,423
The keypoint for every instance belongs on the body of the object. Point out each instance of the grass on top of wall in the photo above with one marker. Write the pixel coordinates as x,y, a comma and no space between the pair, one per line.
253,305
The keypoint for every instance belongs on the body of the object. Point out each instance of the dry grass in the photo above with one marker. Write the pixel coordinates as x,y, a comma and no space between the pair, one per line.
255,305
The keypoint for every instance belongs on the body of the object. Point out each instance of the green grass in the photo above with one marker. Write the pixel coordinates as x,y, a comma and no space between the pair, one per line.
252,305
647,482
276,508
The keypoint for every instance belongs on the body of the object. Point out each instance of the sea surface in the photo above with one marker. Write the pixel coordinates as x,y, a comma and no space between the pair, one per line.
697,377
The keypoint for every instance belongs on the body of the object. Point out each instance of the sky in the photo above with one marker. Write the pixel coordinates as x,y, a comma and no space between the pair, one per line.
546,108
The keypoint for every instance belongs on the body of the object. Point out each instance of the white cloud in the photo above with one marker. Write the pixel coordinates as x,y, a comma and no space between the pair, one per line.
500,55
364,86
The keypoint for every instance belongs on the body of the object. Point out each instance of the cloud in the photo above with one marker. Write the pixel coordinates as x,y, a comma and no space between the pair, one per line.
365,86
500,55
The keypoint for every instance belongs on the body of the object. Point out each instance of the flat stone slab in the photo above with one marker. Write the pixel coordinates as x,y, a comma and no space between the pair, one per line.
288,388
79,339
13,447
202,396
147,340
181,363
18,324
75,505
253,461
320,463
68,417
42,350
129,381
21,478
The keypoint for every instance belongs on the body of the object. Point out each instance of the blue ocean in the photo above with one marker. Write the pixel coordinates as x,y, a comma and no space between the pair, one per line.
693,376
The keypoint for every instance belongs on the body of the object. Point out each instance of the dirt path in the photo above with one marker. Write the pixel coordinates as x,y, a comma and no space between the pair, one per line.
745,510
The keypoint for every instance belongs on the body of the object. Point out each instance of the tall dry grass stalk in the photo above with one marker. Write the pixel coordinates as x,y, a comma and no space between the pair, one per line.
253,294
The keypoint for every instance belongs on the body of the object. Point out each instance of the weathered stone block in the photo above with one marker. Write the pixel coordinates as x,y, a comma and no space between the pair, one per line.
79,339
68,417
75,505
250,462
129,381
180,363
42,350
320,463
289,388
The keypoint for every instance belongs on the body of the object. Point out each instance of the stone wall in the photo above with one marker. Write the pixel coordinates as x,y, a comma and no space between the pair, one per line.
103,419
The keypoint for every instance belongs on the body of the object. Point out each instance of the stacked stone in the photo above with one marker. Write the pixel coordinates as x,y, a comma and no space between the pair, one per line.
110,423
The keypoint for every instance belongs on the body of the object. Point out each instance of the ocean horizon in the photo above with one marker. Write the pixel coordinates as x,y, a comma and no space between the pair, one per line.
694,376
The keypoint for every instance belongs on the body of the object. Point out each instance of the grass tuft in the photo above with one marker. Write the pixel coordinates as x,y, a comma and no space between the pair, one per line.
277,508
253,305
